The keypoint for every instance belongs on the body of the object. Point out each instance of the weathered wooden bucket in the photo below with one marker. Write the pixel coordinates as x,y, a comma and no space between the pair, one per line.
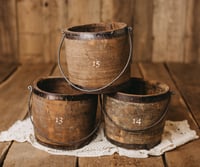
98,56
62,117
135,117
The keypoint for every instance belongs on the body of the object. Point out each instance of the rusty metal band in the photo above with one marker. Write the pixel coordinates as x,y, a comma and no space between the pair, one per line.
50,96
141,99
132,146
135,83
57,96
98,35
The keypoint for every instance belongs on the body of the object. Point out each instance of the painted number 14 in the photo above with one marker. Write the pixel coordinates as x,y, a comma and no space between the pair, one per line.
137,121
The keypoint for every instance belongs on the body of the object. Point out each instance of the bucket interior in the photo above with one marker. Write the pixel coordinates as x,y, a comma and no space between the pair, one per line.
56,85
138,86
98,27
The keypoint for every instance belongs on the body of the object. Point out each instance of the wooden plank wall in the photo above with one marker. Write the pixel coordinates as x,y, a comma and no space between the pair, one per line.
164,31
8,31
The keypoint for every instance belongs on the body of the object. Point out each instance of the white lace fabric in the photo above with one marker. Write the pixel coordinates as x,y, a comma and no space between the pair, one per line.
175,134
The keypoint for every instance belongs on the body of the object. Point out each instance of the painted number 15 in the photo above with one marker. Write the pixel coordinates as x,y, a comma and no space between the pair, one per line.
96,63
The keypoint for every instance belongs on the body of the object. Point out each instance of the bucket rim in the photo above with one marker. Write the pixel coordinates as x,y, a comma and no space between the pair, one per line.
77,95
113,32
143,98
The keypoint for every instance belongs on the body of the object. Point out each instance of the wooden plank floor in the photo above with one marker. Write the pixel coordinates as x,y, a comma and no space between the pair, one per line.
6,69
183,79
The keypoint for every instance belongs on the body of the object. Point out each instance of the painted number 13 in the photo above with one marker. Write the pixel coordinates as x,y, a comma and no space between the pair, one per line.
59,120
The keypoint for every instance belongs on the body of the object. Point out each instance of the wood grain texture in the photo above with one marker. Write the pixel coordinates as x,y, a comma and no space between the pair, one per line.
34,157
3,151
14,95
135,71
196,31
178,110
24,154
121,116
186,155
187,79
98,61
163,30
54,21
30,22
6,69
121,161
62,123
168,30
40,24
142,30
10,108
192,34
83,12
117,10
8,31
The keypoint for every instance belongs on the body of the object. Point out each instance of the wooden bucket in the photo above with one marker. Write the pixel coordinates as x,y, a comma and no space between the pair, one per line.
62,117
135,117
98,56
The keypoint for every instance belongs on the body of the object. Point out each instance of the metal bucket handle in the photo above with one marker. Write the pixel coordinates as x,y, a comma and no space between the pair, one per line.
139,130
105,86
58,143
